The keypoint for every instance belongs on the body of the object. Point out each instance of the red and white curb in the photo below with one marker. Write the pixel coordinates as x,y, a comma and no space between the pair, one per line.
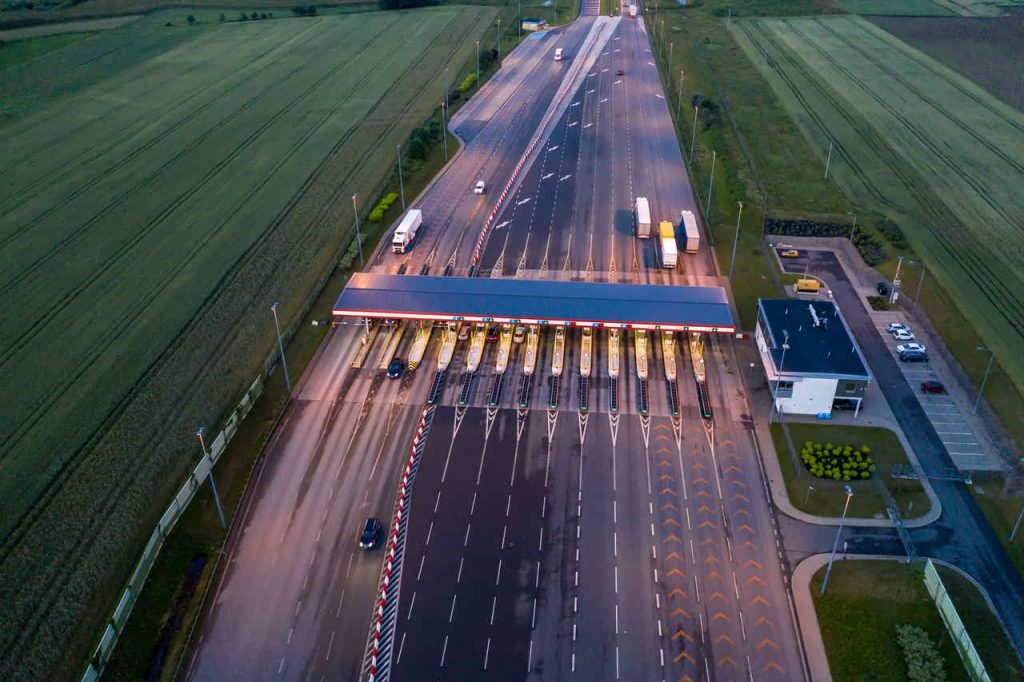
379,643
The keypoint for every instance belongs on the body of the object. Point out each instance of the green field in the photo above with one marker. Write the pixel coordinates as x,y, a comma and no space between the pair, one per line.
926,8
149,220
918,142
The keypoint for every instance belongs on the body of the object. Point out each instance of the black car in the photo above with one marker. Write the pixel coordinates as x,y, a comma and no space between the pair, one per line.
882,288
914,356
620,72
844,404
395,368
371,530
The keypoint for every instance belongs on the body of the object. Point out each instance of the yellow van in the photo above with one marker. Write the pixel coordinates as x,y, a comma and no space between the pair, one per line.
808,286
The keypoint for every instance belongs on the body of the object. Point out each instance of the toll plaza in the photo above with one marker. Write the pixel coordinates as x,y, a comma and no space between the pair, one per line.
485,310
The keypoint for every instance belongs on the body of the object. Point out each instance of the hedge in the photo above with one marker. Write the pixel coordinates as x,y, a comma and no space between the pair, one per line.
924,663
377,214
467,82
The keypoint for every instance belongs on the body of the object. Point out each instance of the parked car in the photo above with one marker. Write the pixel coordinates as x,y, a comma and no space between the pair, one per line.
932,387
395,368
371,531
492,334
903,335
520,334
479,187
895,327
914,356
910,348
463,333
882,288
844,404
620,72
790,253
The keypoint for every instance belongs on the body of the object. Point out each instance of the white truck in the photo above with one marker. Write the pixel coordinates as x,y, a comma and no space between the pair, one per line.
632,11
643,218
558,54
406,230
669,251
691,232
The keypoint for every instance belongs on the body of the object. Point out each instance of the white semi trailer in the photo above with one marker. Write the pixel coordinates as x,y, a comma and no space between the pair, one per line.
406,230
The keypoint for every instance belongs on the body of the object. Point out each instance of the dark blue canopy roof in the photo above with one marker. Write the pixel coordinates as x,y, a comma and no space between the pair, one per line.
535,302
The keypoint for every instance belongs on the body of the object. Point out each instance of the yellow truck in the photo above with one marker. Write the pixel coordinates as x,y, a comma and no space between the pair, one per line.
808,286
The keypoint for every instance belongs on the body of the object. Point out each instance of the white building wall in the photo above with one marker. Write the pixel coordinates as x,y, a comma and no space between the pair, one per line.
810,396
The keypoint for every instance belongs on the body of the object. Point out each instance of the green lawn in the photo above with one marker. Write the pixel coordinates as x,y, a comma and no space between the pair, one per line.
828,497
1001,510
20,51
867,599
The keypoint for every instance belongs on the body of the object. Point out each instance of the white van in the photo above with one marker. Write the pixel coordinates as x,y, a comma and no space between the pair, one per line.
558,54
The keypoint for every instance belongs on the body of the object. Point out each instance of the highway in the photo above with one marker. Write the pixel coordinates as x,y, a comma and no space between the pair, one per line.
560,528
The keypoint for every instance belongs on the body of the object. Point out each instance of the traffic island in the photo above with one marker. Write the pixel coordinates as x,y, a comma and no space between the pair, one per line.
816,480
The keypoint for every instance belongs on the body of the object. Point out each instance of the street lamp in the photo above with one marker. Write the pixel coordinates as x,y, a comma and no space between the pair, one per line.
213,486
735,240
988,368
401,185
444,130
807,497
896,282
778,375
280,348
711,185
359,236
679,105
478,63
835,546
693,135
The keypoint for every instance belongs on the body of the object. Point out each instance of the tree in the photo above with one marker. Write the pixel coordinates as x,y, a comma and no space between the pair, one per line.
254,16
223,18
191,19
311,10
245,17
263,15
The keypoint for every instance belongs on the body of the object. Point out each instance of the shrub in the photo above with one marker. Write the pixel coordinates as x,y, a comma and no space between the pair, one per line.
836,462
467,82
377,214
924,663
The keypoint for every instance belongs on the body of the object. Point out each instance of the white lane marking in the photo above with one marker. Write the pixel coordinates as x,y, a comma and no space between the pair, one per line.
502,224
429,531
524,201
573,123
487,653
604,99
494,605
604,70
617,82
651,63
497,576
331,646
551,149
420,572
458,578
591,90
529,657
504,530
574,104
546,176
565,177
588,125
280,666
401,647
444,650
412,602
465,540
451,614
616,579
472,505
659,95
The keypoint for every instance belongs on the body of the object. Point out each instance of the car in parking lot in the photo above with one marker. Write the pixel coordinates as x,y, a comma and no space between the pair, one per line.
371,531
519,335
910,348
844,404
492,334
478,188
914,356
790,253
882,288
903,335
932,387
895,327
395,368
463,333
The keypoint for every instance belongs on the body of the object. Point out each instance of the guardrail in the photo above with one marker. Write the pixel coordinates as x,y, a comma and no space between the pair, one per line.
115,626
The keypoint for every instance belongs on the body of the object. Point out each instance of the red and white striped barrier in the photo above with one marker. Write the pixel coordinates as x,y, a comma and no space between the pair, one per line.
389,565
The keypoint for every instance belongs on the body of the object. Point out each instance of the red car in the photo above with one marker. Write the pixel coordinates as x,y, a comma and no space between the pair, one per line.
932,387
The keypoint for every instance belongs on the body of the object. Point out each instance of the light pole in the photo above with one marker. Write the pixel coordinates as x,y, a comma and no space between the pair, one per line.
693,135
828,161
401,185
835,546
280,348
679,106
807,497
735,240
896,282
991,357
520,18
778,375
359,236
853,228
711,185
671,47
1016,525
497,42
920,283
213,486
446,87
444,130
764,213
478,63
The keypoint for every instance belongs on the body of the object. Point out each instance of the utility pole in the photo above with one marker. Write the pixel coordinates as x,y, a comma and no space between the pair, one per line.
920,283
1016,525
991,357
679,106
828,161
478,63
764,213
520,19
711,186
828,572
853,228
446,86
401,184
896,282
359,236
693,135
671,46
497,41
444,131
280,349
735,240
213,485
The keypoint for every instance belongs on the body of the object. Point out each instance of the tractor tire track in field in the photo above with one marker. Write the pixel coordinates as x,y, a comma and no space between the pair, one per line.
25,194
123,482
124,196
1013,304
976,269
115,258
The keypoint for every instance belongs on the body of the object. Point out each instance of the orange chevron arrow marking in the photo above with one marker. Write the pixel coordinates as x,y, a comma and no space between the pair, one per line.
742,511
759,600
704,509
680,611
712,558
731,467
707,541
672,537
725,638
706,524
675,571
740,496
764,620
698,465
748,543
669,521
673,556
720,616
753,562
669,505
772,665
662,450
746,527
701,480
756,579
716,595
681,633
767,642
664,463
668,491
738,482
682,655
666,477
715,574
728,441
685,678
702,493
676,592
726,660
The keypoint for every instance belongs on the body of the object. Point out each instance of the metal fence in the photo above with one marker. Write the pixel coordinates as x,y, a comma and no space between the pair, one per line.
955,626
175,510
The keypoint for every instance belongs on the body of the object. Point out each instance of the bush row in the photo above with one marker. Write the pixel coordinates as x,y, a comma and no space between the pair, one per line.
467,82
870,248
924,663
377,214
837,462
806,228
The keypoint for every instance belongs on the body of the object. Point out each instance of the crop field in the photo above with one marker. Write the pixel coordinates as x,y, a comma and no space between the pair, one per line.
918,142
988,51
927,8
147,223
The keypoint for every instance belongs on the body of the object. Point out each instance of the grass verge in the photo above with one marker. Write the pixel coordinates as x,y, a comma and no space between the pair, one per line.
1001,509
867,599
21,51
826,498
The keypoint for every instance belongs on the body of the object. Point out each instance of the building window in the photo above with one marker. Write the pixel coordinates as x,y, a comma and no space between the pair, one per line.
784,389
850,387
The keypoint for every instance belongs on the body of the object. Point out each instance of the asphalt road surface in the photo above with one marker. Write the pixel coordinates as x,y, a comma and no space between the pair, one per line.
559,528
